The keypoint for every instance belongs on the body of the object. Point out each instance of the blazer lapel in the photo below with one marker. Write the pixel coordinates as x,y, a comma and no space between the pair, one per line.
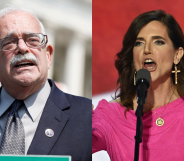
52,118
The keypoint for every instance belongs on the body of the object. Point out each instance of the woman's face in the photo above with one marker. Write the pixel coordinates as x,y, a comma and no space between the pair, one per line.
154,51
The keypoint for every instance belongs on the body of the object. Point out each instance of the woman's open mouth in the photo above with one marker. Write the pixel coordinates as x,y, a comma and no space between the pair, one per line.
149,64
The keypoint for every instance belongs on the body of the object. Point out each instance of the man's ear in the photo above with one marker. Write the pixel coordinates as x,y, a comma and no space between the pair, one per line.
178,55
49,52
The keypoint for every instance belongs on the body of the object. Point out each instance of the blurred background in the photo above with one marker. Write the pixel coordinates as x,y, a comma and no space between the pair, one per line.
111,20
68,25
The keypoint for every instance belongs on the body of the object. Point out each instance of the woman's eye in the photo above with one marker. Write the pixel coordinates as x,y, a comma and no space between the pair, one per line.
138,43
159,42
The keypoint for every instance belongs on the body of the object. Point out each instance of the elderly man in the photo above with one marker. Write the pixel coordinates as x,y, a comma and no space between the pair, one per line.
35,116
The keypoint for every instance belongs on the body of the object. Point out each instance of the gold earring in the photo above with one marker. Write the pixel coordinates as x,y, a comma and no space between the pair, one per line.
176,73
134,79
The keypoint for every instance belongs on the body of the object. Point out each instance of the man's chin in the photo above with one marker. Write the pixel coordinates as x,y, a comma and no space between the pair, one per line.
25,81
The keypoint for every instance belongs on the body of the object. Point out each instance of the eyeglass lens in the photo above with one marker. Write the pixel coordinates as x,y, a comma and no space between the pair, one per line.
31,40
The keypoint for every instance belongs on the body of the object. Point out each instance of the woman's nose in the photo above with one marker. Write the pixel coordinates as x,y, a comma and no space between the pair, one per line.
147,49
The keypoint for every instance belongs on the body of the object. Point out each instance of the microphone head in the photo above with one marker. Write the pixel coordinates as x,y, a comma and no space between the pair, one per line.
143,74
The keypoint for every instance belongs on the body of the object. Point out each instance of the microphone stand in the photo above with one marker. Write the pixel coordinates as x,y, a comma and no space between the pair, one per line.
139,113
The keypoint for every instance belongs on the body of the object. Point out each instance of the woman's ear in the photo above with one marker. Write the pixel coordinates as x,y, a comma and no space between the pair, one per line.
178,55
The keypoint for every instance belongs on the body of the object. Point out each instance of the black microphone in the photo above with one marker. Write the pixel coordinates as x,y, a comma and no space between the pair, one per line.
142,83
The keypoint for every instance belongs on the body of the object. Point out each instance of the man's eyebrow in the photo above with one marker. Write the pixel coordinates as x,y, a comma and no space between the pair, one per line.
9,35
28,33
13,33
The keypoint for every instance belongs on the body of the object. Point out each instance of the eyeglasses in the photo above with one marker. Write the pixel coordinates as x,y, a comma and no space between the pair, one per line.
32,40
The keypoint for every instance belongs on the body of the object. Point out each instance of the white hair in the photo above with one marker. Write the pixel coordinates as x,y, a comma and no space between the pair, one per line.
10,9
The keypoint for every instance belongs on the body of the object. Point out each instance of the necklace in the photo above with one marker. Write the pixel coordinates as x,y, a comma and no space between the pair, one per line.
160,121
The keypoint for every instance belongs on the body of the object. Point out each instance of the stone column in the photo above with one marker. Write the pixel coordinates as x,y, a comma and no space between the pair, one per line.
75,66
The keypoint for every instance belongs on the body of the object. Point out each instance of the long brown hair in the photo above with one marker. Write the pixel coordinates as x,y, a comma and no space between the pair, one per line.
124,59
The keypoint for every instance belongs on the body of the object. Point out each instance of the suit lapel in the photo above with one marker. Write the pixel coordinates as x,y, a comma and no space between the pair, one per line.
52,118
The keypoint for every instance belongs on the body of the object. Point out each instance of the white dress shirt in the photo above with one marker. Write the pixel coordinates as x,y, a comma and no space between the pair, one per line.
29,113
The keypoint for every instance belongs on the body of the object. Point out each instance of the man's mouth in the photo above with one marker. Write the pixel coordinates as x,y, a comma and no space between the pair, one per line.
149,64
24,64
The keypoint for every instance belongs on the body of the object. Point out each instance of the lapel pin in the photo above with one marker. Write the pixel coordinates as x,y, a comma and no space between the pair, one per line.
49,132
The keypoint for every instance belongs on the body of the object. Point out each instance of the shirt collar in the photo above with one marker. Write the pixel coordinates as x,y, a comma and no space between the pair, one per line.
34,103
5,101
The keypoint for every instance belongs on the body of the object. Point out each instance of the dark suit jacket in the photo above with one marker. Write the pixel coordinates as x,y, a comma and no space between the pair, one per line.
70,118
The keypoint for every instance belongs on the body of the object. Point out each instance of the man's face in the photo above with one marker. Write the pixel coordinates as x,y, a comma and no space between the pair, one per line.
18,24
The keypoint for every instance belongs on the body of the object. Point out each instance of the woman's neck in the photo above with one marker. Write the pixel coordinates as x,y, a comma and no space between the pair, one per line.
158,95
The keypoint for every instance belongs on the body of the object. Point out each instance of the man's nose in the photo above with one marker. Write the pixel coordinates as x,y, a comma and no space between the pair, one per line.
22,48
